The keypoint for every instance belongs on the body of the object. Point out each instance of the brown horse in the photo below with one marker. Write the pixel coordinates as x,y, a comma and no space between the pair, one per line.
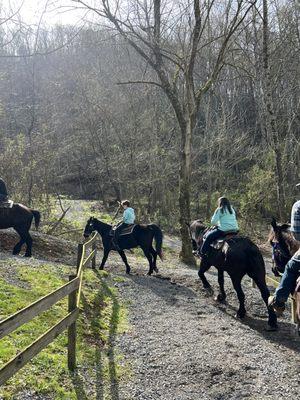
238,256
19,218
284,246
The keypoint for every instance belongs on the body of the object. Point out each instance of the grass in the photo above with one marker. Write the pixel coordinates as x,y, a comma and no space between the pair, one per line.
102,317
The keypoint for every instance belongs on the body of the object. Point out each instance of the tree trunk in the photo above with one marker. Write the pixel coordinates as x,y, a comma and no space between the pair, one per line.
270,115
184,194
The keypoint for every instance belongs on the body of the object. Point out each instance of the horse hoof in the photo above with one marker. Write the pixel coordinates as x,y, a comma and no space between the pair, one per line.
128,272
240,314
27,255
271,328
156,270
101,268
220,298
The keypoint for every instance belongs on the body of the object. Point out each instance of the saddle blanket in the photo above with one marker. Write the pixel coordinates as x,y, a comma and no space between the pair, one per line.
6,204
125,231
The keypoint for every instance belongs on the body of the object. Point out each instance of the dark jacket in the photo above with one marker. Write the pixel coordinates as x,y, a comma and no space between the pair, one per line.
3,189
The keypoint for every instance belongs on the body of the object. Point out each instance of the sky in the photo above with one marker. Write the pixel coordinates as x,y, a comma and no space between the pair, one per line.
57,11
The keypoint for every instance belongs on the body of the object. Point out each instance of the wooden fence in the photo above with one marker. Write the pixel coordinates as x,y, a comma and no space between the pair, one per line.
72,289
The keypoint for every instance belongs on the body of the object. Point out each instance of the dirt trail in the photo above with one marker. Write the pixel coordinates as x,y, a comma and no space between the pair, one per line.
184,346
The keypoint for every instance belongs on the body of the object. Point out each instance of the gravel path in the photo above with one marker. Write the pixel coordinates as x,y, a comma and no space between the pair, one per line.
183,346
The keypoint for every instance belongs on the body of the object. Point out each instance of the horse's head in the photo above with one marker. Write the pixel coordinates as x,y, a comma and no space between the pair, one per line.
90,227
197,229
282,242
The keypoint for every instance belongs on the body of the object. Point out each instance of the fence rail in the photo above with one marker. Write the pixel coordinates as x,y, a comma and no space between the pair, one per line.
72,289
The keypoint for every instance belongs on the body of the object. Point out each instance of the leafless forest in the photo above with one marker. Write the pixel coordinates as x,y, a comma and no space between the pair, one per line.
169,103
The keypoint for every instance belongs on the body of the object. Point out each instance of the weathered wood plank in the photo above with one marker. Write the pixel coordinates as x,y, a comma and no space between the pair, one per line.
92,240
94,248
72,331
28,313
16,363
92,254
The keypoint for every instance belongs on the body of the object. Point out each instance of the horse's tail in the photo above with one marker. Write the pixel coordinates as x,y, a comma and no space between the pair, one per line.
158,236
37,218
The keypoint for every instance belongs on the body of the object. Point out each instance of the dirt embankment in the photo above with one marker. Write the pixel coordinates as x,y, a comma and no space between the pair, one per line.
49,248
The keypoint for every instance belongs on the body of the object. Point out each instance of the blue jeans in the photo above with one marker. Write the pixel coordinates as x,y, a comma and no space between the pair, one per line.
288,281
210,238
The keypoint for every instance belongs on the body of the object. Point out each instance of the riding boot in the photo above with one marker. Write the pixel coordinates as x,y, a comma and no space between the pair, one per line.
276,306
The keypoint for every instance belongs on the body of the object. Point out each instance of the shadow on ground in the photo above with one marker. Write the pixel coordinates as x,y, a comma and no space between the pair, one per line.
103,349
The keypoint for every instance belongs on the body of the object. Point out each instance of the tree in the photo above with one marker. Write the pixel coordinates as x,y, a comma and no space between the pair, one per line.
172,39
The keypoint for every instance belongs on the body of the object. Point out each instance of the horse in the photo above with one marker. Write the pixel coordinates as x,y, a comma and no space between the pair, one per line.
142,235
19,217
284,246
238,256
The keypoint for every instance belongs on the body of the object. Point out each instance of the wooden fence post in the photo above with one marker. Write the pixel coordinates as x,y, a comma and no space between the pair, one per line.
72,330
94,247
79,254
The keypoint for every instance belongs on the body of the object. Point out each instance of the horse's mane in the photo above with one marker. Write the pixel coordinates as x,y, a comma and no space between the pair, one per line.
101,223
286,235
292,243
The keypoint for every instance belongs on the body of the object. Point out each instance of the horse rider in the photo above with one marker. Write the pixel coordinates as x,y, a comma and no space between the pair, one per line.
292,269
128,219
3,191
225,220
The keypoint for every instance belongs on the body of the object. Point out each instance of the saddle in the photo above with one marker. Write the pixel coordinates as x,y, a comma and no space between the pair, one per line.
218,244
6,204
125,231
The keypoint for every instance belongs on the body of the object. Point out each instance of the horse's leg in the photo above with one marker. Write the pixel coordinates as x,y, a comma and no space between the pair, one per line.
222,295
124,258
154,254
236,281
262,286
29,245
18,246
149,258
105,255
203,268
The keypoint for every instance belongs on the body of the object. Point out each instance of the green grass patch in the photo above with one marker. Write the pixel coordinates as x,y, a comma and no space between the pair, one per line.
102,318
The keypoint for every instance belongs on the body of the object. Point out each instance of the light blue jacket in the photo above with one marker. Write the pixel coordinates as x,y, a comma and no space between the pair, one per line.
129,216
224,220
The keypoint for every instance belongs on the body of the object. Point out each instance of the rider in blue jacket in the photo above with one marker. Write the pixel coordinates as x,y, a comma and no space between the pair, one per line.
128,219
225,220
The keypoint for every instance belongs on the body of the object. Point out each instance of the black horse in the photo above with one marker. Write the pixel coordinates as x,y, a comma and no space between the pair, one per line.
142,236
20,218
238,256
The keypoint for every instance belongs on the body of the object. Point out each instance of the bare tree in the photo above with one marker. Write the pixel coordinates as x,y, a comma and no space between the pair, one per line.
151,28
